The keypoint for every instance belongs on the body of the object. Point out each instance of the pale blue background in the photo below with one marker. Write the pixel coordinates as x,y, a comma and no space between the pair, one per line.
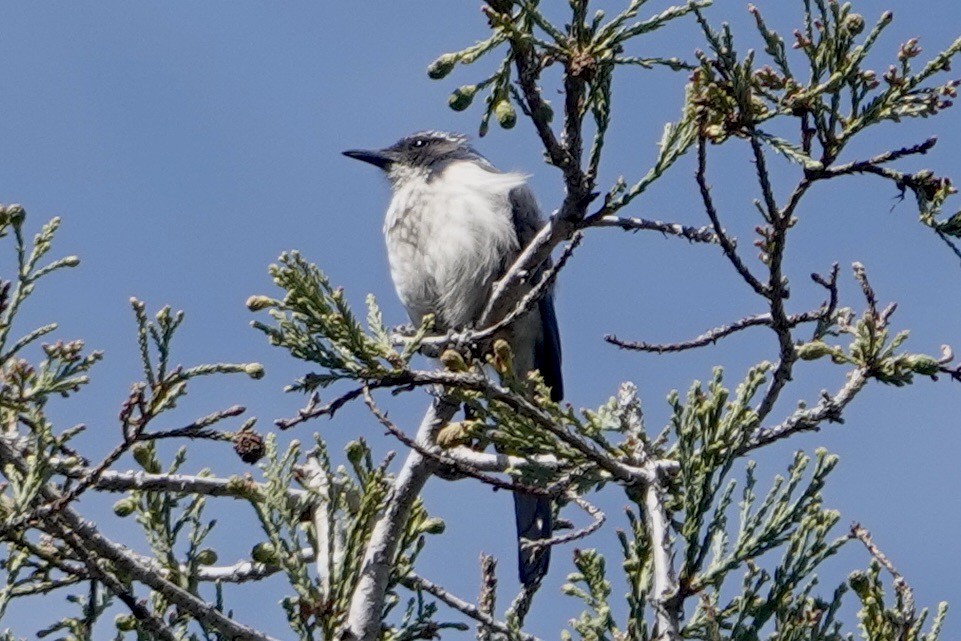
187,144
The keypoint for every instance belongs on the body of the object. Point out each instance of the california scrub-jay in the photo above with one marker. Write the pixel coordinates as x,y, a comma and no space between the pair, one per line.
455,224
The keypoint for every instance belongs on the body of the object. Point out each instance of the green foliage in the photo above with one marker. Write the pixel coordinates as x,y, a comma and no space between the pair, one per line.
879,621
835,97
590,49
590,585
315,323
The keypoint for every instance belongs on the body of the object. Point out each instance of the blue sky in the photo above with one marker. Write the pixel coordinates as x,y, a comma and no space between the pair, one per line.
187,144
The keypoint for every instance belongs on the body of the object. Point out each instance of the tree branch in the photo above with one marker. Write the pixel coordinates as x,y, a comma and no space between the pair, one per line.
665,588
829,408
367,602
713,335
693,234
440,457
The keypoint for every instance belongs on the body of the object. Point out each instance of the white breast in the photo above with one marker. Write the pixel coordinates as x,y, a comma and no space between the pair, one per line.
448,238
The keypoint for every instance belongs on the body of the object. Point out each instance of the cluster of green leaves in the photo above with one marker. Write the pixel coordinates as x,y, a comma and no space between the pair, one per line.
588,48
790,517
709,432
334,517
871,348
835,96
840,96
315,323
44,465
166,519
880,621
280,518
25,388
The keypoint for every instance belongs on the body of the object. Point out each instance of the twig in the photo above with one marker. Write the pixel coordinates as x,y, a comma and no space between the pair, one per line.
487,599
243,571
499,462
693,234
776,288
831,284
872,300
530,299
900,584
871,164
861,534
953,372
538,250
45,587
521,605
313,408
829,408
951,244
726,244
416,582
715,334
197,429
236,487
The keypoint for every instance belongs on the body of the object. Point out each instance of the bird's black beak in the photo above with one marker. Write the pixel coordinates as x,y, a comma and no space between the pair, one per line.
377,157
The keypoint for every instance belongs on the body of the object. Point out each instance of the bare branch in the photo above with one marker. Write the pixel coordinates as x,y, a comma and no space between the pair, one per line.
416,582
595,513
713,335
693,234
488,595
900,583
723,240
871,165
527,302
236,487
498,462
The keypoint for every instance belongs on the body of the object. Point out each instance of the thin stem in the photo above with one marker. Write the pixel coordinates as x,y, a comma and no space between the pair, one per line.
726,244
713,335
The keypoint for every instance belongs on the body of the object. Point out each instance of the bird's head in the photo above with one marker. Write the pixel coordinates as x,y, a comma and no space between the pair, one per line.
424,153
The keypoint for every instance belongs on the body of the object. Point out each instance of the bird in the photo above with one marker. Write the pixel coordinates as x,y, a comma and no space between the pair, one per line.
454,225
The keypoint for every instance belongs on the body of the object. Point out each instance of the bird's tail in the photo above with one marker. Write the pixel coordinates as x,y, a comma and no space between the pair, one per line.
534,516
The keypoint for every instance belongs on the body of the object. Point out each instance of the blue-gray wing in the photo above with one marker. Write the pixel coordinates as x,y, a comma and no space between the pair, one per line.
547,349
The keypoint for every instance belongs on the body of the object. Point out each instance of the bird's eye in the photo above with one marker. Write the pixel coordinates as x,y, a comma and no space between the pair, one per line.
421,142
